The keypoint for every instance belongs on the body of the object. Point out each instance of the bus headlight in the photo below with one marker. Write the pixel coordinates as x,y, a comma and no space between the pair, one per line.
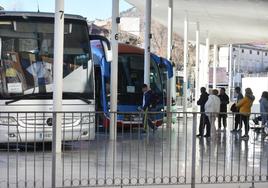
87,119
8,121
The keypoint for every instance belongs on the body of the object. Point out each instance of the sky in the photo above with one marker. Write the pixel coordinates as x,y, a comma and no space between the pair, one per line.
92,9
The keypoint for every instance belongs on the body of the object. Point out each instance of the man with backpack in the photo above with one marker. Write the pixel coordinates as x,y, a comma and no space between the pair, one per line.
147,104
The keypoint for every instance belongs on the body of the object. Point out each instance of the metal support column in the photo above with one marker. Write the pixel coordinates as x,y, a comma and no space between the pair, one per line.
169,57
57,85
114,70
197,61
147,41
185,63
215,62
57,73
230,70
206,65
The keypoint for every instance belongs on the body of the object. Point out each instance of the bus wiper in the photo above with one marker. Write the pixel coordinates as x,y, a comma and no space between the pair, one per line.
18,98
76,95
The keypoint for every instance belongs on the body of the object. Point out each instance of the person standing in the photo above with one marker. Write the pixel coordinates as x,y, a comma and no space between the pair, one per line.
264,108
147,106
212,109
203,118
244,106
223,109
239,96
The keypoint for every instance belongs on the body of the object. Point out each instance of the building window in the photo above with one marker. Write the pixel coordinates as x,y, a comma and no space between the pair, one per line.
258,53
242,50
233,49
265,53
250,51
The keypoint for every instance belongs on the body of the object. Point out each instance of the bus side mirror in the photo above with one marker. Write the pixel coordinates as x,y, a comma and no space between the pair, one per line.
107,51
106,44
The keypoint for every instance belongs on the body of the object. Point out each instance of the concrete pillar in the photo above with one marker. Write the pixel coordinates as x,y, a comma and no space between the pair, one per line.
197,61
147,41
215,62
114,70
185,63
206,65
169,57
57,86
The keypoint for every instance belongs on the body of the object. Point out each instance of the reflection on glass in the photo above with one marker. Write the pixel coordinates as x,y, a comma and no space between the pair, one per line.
27,60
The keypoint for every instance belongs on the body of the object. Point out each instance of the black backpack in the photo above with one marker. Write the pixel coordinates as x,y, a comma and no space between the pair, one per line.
155,99
234,108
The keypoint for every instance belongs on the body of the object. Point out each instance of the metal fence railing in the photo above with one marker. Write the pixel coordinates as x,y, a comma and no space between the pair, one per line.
168,155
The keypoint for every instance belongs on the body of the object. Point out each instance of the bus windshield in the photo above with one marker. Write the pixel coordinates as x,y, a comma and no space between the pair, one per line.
26,58
131,78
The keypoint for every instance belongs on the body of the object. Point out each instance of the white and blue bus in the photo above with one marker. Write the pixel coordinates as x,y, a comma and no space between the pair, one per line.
130,81
26,79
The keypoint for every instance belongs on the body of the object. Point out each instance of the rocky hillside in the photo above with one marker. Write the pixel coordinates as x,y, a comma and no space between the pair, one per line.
159,39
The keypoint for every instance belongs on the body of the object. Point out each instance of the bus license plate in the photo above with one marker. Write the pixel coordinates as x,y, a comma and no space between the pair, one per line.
45,135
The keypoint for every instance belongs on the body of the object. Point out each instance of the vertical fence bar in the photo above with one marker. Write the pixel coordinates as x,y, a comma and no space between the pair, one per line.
17,152
88,148
63,149
53,179
8,146
162,153
185,119
239,157
122,155
80,148
26,148
261,154
114,144
267,170
72,148
178,148
217,159
170,147
130,148
105,151
253,166
139,137
232,149
246,159
34,149
224,157
193,150
146,143
43,152
202,148
154,158
209,148
97,154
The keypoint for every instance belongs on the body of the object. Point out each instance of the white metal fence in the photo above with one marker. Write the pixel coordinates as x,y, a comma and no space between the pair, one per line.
168,155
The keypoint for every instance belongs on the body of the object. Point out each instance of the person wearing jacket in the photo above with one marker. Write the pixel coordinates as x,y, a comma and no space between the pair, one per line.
264,107
239,96
223,109
203,118
244,106
146,107
212,109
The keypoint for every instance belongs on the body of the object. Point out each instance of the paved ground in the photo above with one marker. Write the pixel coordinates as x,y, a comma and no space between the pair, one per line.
163,157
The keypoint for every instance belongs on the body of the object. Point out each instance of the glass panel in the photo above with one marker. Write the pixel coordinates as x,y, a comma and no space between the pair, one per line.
131,78
27,60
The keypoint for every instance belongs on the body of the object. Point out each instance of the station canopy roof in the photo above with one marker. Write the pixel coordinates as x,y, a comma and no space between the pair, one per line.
224,21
